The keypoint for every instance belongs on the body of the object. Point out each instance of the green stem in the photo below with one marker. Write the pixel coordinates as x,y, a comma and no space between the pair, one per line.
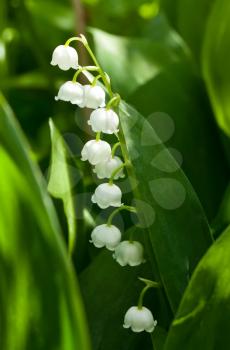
98,136
141,297
81,69
115,172
114,101
131,236
149,284
115,146
102,73
96,79
75,38
123,207
77,74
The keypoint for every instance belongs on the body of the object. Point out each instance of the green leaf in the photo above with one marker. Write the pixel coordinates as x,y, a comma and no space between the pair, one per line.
222,219
177,114
192,21
169,210
190,18
158,338
40,304
202,321
135,60
216,51
61,181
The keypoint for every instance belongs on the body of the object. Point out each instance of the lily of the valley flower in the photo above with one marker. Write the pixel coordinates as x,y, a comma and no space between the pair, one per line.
107,195
139,319
94,97
96,151
65,57
71,92
108,236
103,120
129,253
104,170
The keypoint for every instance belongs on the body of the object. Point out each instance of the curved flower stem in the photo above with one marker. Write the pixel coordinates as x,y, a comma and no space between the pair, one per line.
74,38
115,172
115,146
81,69
149,284
141,297
114,101
96,79
123,207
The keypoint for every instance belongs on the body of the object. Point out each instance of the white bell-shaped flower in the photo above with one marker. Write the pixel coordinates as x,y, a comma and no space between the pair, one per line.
108,236
94,96
107,195
139,319
65,57
104,170
129,253
71,92
96,151
103,120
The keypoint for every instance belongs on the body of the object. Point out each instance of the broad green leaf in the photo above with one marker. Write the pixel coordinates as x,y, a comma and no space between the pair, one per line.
158,338
169,210
190,18
216,51
192,21
40,303
135,60
61,183
222,219
202,321
176,105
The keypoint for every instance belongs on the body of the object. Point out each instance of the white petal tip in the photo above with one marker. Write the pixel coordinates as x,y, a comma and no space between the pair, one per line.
125,326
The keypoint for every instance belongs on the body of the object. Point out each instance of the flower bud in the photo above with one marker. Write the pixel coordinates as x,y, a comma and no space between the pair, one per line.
103,120
107,195
71,92
104,170
94,96
65,57
108,236
96,151
129,253
139,319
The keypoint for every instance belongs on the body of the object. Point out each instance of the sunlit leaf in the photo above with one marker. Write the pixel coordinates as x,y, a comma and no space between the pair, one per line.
216,51
202,321
40,302
61,183
135,60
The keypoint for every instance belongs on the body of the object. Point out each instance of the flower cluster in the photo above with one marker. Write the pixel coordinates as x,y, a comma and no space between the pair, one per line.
106,165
